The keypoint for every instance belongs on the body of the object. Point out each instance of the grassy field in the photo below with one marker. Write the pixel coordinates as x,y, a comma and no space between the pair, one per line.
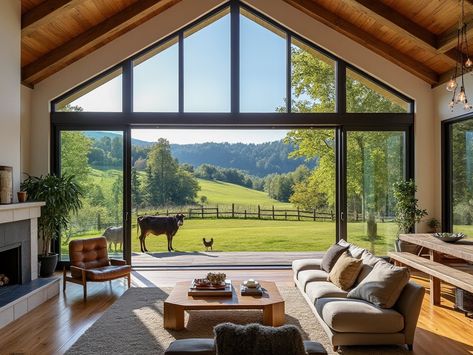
224,193
262,235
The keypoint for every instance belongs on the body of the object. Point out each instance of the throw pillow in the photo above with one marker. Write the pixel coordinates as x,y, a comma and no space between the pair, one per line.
354,250
345,271
369,261
331,257
382,286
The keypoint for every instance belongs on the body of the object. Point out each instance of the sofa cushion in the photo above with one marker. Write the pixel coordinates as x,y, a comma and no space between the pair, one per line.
331,256
311,275
345,271
383,285
369,260
305,264
196,346
354,250
321,289
356,316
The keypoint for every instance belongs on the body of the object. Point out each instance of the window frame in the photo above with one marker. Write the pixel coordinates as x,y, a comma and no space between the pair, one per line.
340,120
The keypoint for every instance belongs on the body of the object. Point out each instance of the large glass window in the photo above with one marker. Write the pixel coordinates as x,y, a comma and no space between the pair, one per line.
95,158
363,95
207,65
461,171
375,161
262,65
103,95
156,79
312,79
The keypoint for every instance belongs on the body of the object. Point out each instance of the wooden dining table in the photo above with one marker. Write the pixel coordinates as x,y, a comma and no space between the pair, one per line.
462,249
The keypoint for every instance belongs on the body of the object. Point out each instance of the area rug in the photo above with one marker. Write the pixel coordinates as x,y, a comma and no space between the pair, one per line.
134,325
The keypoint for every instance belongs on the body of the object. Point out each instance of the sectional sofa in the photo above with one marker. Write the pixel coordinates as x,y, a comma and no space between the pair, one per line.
349,321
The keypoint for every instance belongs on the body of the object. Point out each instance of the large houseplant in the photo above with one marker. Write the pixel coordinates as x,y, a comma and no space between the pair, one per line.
407,211
62,197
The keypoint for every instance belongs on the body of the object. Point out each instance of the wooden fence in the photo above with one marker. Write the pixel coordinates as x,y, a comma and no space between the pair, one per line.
258,213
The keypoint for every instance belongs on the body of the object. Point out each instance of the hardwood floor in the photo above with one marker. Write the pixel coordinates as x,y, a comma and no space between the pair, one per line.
54,326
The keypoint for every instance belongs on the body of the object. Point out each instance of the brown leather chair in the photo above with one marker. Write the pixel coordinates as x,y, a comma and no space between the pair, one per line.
90,262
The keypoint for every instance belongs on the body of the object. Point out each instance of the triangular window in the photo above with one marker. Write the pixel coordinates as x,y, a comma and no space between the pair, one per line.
102,95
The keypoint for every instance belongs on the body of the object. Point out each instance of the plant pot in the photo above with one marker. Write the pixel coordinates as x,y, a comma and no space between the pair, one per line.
48,264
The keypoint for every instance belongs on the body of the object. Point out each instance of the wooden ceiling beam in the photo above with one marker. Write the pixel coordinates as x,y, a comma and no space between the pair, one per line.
366,39
93,38
44,13
389,17
448,39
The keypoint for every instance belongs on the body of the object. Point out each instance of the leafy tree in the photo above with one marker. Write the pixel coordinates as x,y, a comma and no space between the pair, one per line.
136,191
167,183
75,148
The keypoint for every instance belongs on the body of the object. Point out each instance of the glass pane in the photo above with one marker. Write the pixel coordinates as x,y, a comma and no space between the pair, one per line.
375,161
262,66
103,95
264,190
95,158
156,80
207,65
365,96
462,176
312,80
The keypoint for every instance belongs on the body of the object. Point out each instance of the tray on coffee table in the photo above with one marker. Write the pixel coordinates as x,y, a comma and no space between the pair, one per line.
210,290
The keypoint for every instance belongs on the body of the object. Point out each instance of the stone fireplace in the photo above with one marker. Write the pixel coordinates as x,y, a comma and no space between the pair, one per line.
19,262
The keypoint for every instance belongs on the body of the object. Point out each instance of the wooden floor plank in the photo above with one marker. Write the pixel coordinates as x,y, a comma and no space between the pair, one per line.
53,327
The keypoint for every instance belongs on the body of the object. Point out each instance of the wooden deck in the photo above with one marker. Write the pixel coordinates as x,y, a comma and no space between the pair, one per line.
211,259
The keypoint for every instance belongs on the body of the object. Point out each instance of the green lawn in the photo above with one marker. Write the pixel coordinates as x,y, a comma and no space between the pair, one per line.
262,235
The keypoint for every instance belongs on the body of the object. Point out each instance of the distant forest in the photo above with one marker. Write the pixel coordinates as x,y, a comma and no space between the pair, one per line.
257,160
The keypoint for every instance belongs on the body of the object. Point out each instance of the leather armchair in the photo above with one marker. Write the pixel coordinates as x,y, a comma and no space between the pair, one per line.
90,262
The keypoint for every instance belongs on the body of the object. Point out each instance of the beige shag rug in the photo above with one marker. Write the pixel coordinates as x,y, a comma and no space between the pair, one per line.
134,325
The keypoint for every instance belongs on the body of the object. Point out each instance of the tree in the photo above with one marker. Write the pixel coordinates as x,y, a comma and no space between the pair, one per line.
374,158
168,183
136,193
75,148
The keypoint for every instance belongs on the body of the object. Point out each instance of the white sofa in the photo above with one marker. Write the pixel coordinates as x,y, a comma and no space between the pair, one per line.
350,321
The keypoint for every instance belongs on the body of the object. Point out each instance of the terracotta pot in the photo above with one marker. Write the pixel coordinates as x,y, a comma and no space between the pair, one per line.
22,196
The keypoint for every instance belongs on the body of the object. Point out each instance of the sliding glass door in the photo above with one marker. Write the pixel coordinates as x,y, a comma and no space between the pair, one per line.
375,161
96,159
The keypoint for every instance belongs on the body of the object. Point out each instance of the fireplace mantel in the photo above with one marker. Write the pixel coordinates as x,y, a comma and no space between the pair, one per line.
37,291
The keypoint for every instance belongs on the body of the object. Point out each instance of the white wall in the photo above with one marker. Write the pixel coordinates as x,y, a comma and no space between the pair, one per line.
10,35
25,138
185,12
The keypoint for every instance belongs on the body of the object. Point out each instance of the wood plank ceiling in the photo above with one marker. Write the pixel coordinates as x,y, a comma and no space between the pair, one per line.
419,36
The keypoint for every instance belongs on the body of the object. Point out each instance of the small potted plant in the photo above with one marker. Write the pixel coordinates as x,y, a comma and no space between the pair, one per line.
407,212
62,197
434,225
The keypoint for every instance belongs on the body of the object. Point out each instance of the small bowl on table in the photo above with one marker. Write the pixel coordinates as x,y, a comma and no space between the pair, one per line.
449,237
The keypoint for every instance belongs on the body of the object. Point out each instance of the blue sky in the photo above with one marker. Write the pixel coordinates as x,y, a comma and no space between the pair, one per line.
206,81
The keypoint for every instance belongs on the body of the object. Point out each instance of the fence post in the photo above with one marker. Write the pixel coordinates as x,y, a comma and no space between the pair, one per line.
202,211
99,222
285,213
331,214
190,213
259,212
273,212
167,211
233,210
245,214
314,214
217,211
298,214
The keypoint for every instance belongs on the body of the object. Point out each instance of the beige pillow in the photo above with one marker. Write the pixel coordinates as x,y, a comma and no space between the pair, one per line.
382,286
345,271
369,261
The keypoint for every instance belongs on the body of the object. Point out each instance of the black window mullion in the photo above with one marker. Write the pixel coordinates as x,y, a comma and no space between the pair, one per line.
340,87
235,57
181,72
127,247
340,185
127,86
288,73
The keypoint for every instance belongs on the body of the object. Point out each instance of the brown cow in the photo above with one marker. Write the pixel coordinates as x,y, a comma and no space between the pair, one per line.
159,225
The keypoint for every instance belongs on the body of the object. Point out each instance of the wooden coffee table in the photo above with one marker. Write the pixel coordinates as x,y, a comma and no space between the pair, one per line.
178,301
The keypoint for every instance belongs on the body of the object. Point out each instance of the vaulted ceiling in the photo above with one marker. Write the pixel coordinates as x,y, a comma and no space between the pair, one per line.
419,36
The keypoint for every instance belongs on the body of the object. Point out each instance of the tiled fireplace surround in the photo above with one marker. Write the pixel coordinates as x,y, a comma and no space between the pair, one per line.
19,228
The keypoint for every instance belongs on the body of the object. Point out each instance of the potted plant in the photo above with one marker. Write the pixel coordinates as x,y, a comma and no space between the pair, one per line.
62,197
407,211
434,225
